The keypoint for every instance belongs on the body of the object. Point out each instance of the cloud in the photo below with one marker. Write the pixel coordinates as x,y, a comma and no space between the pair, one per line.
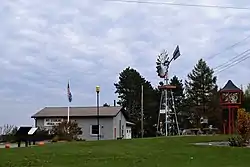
45,43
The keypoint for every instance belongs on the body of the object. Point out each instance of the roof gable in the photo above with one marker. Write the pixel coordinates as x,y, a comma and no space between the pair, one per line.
230,86
77,112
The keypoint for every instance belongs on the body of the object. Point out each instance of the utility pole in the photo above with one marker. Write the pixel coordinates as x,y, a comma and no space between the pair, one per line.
142,128
203,99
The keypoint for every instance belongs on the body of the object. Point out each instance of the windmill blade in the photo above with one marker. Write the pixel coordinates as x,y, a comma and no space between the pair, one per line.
159,59
162,62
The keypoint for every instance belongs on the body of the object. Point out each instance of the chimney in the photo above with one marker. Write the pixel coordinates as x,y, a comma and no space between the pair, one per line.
114,103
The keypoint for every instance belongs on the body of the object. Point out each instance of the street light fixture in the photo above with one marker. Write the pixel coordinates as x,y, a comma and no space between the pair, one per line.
97,89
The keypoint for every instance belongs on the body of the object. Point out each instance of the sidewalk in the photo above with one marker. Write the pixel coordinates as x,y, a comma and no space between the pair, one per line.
15,145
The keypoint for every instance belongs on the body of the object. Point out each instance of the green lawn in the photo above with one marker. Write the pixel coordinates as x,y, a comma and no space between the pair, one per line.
172,152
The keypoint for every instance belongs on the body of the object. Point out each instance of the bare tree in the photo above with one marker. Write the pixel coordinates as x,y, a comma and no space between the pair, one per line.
1,130
7,129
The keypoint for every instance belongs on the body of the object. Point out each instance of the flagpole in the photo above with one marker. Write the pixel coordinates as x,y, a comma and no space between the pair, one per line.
70,98
68,114
68,108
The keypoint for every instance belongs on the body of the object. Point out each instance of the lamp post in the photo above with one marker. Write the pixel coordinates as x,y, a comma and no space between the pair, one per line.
97,107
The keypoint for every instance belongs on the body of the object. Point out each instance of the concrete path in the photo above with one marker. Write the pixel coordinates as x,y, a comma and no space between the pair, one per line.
12,145
213,144
15,145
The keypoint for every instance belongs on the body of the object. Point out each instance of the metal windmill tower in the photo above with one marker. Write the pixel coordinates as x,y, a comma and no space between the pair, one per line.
167,106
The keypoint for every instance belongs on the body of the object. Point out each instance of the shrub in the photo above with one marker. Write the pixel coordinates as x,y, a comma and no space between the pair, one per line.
236,141
67,130
80,139
7,138
42,134
55,139
243,129
7,133
243,124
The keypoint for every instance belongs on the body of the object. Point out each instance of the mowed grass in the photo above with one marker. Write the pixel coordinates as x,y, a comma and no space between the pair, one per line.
151,152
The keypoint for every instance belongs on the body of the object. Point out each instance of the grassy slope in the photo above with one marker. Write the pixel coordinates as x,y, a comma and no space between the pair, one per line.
172,152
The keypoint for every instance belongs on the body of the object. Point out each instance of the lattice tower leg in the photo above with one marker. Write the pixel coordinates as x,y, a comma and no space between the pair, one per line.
175,114
159,115
166,112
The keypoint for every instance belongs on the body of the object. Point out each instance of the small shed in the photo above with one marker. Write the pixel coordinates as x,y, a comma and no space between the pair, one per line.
129,130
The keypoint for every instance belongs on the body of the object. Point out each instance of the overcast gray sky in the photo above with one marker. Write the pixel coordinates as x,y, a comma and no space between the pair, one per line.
46,42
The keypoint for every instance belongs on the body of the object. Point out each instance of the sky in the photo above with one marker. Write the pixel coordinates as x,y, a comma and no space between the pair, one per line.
45,43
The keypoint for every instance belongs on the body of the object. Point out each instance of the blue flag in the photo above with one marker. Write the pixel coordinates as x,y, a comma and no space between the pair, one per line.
69,93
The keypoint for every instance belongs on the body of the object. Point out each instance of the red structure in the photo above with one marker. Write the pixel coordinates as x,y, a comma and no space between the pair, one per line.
230,100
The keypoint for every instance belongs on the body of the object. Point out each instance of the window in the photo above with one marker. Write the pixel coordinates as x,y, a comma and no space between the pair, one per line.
94,130
122,130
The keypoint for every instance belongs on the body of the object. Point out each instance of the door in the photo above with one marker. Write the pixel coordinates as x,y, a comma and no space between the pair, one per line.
128,133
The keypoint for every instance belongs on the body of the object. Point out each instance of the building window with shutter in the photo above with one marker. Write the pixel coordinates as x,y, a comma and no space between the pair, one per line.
94,129
120,128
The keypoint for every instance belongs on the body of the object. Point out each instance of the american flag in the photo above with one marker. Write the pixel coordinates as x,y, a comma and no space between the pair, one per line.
69,93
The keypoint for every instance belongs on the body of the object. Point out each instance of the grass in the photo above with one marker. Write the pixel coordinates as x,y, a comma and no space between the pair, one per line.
151,152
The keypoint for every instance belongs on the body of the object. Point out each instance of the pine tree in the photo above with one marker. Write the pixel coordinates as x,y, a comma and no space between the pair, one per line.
200,88
246,99
178,95
128,89
247,91
178,92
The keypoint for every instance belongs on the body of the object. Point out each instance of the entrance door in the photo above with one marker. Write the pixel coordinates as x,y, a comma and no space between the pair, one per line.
128,133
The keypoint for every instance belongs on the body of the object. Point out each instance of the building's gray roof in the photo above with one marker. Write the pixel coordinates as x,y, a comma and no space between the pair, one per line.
77,112
230,86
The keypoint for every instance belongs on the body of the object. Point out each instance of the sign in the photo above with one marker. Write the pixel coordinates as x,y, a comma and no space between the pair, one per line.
52,121
163,111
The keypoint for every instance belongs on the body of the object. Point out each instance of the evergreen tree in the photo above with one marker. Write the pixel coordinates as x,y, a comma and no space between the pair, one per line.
247,91
214,110
151,110
178,95
246,99
178,92
200,88
128,89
